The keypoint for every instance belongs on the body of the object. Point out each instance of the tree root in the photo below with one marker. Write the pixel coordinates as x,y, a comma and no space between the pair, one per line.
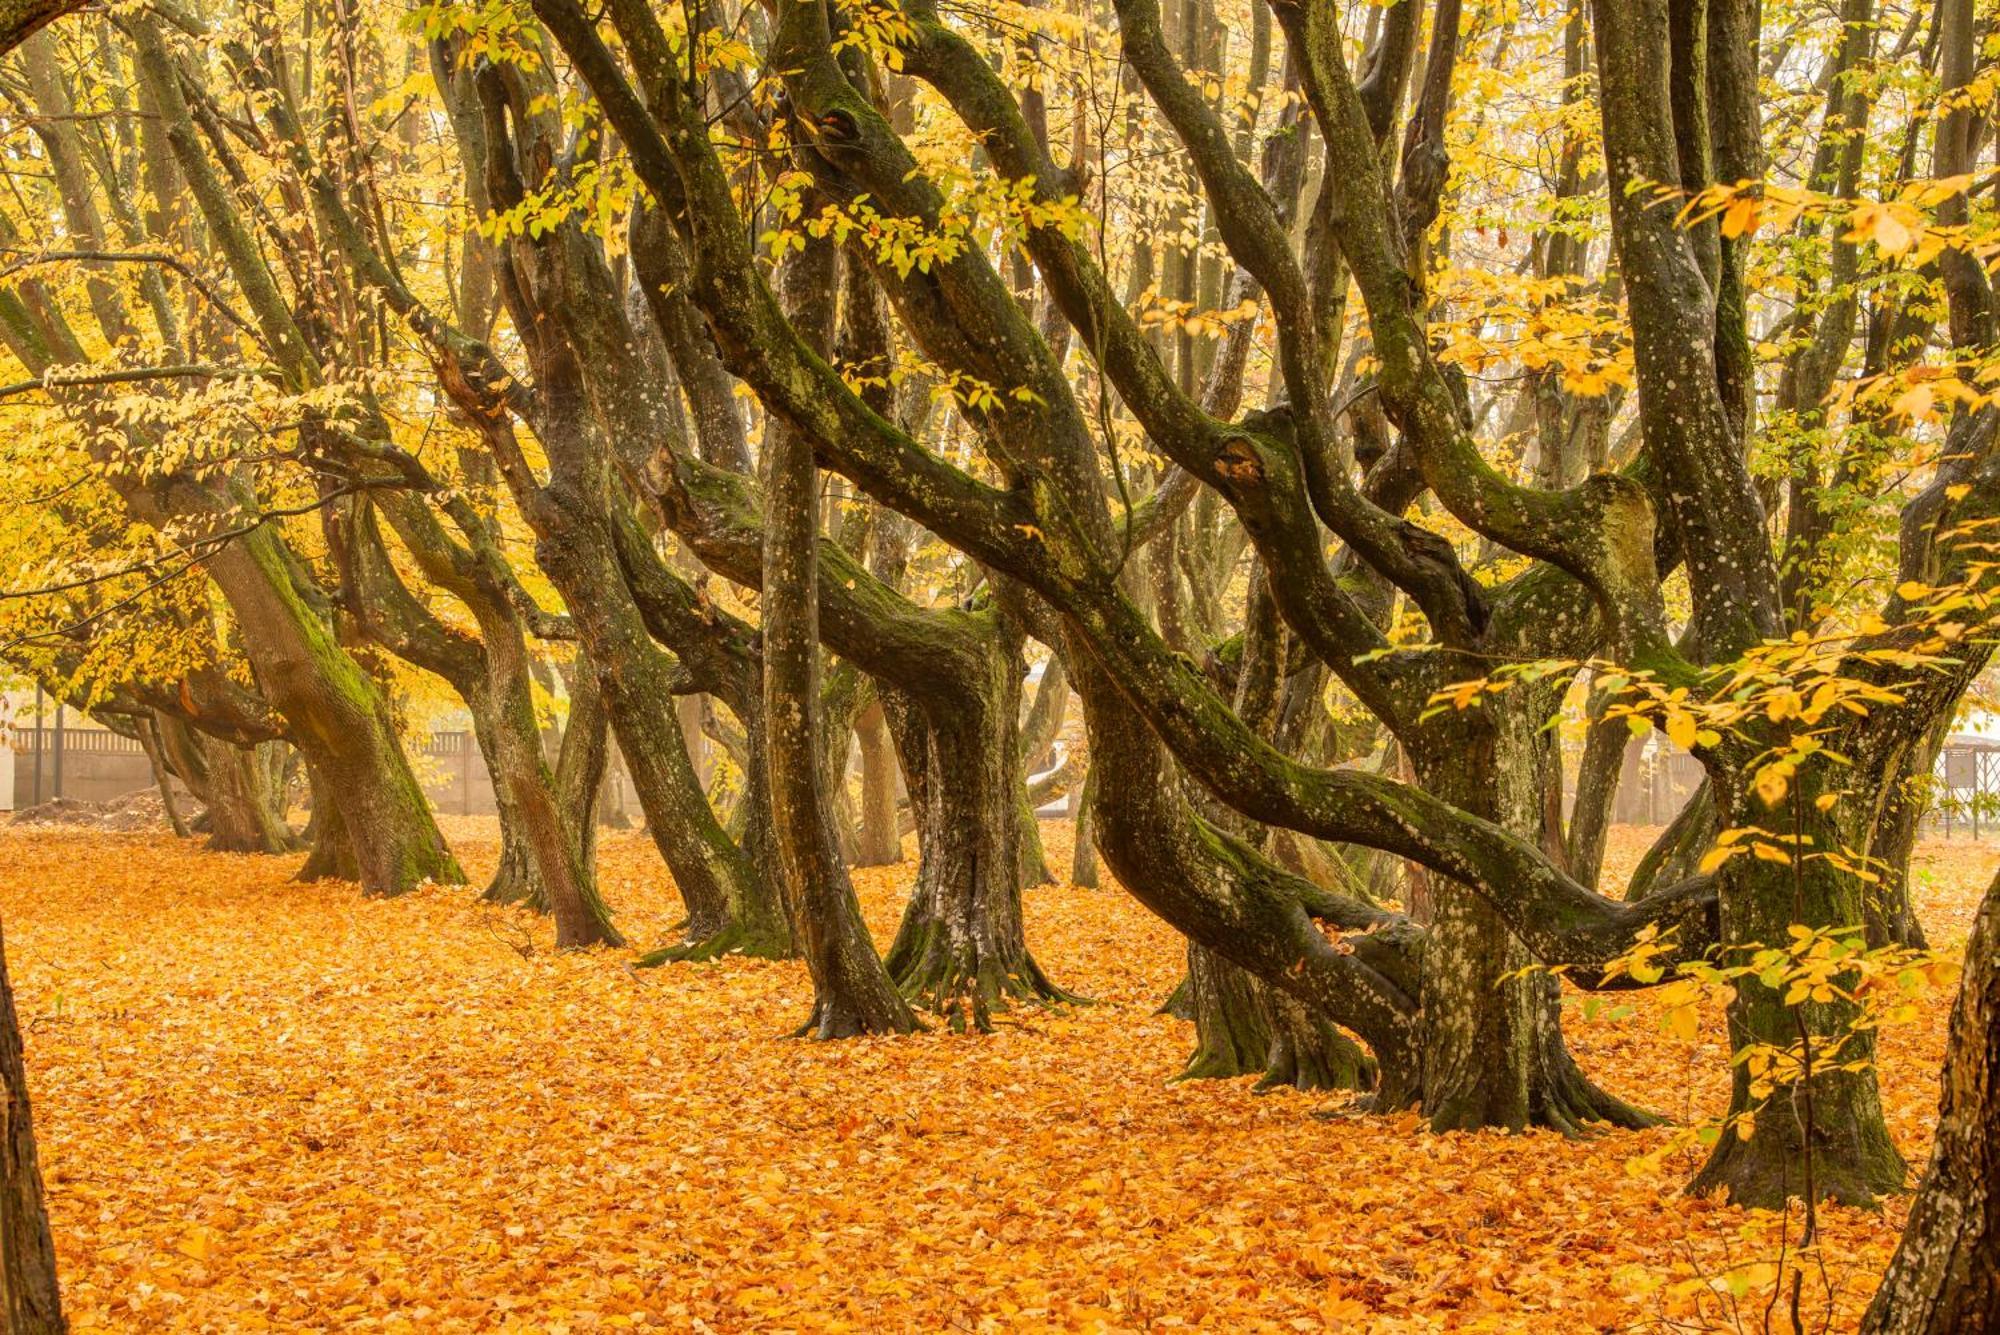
734,939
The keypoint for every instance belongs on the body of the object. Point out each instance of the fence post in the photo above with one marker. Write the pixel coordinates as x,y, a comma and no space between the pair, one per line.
59,749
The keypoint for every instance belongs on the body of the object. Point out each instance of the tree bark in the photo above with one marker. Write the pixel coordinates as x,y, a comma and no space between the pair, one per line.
1245,1027
1945,1276
881,842
1821,1136
852,992
1493,1048
30,1300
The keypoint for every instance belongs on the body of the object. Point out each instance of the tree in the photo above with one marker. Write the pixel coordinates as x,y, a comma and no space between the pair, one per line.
29,1298
1946,1272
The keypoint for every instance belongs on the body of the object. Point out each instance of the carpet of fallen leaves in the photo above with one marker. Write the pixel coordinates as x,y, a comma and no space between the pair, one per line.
275,1106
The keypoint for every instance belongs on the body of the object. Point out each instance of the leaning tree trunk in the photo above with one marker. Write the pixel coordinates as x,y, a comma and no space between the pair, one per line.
332,853
163,773
243,803
339,719
580,915
1597,776
732,908
1945,1277
30,1301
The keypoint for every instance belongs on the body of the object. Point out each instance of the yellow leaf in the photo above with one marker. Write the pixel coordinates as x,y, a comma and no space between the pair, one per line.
1681,730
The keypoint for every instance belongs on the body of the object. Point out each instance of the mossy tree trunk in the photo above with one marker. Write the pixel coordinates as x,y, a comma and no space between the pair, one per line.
1822,1135
1493,1048
852,992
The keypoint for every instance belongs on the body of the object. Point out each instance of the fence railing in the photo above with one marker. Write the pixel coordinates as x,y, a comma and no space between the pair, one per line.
75,741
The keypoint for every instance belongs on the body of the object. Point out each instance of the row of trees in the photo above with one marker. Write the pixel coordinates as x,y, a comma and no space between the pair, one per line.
784,375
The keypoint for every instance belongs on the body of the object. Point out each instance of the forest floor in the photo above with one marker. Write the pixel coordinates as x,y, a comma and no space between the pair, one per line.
265,1105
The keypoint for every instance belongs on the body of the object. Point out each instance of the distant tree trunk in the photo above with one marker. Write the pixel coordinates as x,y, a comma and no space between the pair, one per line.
1597,776
582,762
243,798
163,775
1945,1277
30,1300
1083,858
852,993
881,844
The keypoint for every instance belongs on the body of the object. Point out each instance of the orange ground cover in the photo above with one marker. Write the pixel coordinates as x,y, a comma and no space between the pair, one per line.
273,1106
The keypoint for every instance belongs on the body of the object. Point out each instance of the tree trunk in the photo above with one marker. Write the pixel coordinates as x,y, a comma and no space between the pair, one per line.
515,880
339,718
1945,1277
1597,777
881,844
580,916
852,992
960,950
163,774
1493,1046
332,855
1083,858
1822,1136
732,908
1245,1027
30,1300
242,798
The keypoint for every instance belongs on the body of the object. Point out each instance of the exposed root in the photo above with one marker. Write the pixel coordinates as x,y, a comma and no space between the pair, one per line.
966,993
734,939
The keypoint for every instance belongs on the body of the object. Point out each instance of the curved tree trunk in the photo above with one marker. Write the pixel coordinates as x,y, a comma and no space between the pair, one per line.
242,797
732,908
1945,1277
30,1301
332,853
339,719
515,880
